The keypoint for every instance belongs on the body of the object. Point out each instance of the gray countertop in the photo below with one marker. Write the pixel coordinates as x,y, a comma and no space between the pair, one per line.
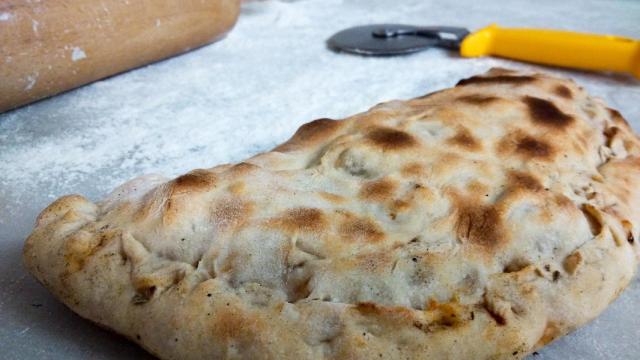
227,101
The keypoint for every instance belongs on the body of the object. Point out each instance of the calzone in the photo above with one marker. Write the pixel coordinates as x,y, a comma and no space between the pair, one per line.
478,222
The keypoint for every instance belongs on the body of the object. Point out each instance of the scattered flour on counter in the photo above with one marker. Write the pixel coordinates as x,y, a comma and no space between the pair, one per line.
77,54
5,16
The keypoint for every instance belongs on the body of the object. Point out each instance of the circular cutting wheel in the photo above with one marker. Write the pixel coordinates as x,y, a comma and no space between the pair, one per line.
361,40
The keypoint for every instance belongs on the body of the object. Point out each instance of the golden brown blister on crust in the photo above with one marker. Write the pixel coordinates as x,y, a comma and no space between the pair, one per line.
482,221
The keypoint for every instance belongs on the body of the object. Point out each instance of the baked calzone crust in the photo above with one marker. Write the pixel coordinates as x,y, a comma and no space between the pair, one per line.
481,221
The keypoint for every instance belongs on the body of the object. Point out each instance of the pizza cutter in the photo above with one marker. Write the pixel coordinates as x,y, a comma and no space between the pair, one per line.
541,46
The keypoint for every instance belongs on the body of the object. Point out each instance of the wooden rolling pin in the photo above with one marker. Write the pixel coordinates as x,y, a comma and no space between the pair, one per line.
50,46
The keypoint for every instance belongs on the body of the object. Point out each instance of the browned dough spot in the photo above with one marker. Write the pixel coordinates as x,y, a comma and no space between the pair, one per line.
522,180
593,218
302,219
550,333
618,118
478,99
516,265
479,224
231,324
465,139
378,190
499,79
531,147
243,168
572,262
331,197
628,227
413,169
563,91
610,133
360,230
546,113
301,291
195,180
397,313
310,133
499,319
391,139
143,295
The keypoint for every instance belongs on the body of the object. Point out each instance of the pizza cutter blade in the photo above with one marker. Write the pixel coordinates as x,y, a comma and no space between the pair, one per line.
395,39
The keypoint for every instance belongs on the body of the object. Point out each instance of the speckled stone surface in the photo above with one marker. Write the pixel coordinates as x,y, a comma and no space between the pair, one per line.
227,101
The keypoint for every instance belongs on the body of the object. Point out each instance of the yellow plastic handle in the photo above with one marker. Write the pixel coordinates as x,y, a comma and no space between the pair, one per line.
559,48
